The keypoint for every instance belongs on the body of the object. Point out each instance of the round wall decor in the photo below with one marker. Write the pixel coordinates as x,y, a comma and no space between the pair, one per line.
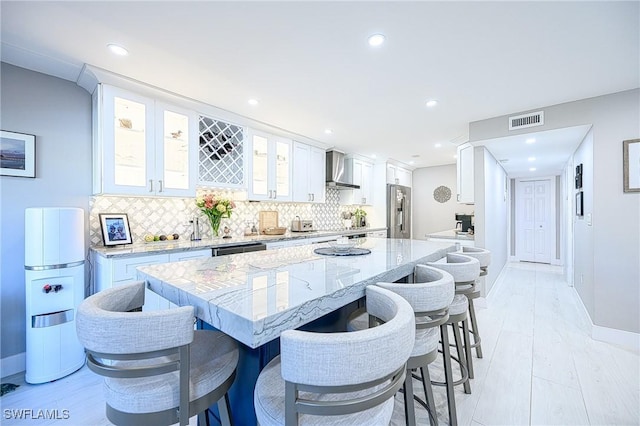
442,194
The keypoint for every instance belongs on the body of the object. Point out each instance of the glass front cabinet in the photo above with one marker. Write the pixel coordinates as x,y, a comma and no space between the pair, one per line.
270,166
142,146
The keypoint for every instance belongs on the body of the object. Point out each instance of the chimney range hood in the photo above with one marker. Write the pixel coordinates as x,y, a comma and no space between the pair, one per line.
337,175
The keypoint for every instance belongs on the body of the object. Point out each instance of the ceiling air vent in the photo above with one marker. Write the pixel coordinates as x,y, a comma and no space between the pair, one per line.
531,119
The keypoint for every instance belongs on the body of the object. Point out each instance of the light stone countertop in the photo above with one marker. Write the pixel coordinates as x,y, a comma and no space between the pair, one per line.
160,247
451,234
255,296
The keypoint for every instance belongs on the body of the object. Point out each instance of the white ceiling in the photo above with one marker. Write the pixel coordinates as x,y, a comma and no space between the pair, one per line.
546,151
310,66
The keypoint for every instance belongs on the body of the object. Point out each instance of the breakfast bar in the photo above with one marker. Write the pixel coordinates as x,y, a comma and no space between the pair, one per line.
253,297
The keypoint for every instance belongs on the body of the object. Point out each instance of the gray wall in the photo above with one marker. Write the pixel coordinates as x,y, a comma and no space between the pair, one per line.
611,271
58,112
430,216
492,212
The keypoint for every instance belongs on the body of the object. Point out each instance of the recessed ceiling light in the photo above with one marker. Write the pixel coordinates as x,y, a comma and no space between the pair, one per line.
532,169
438,145
253,102
531,158
376,40
531,140
328,131
412,162
431,103
117,49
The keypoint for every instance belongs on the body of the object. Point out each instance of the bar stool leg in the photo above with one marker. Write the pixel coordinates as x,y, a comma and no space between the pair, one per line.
467,347
428,393
448,375
474,329
461,357
409,408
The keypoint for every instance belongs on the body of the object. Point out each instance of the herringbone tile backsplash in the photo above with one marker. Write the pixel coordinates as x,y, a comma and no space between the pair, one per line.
171,215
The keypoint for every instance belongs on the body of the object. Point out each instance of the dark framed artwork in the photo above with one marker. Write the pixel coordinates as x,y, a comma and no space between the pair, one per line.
115,229
579,176
17,154
579,204
631,165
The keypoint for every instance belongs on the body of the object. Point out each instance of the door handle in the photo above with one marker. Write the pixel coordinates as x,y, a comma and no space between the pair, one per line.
150,185
161,186
313,197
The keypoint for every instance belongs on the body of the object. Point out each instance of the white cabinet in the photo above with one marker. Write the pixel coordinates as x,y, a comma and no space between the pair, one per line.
142,146
465,174
362,175
190,255
270,167
109,272
309,169
398,176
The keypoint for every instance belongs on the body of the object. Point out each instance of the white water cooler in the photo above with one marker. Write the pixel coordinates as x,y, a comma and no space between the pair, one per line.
54,278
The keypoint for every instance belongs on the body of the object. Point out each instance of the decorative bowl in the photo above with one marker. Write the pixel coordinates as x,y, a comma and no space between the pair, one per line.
342,246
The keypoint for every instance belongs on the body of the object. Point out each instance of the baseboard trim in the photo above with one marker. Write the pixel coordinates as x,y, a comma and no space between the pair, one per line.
626,339
13,364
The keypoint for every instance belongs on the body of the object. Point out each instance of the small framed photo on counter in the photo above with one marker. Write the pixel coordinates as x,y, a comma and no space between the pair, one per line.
115,229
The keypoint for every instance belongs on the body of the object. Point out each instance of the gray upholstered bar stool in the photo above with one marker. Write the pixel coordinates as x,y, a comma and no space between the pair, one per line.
465,271
484,257
350,377
158,370
429,297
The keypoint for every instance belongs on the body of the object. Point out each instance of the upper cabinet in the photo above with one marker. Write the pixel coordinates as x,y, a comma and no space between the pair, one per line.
362,175
465,174
270,167
142,146
308,181
398,176
221,153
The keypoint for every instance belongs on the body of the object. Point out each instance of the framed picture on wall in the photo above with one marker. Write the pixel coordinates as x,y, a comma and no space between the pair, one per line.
17,154
115,229
631,165
579,204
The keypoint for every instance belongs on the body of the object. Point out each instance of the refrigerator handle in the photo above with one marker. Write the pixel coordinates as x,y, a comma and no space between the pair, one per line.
401,214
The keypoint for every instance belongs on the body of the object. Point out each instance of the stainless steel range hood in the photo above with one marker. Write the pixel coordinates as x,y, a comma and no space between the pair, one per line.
338,176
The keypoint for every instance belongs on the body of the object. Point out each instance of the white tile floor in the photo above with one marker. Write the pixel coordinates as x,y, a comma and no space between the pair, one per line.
540,367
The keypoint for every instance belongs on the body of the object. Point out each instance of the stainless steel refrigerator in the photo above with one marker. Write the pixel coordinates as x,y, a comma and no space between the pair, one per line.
398,211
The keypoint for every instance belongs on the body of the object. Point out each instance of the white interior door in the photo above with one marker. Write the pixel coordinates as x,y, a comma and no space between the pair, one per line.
535,223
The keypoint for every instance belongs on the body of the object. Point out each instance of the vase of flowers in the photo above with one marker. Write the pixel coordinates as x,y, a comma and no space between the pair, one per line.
216,208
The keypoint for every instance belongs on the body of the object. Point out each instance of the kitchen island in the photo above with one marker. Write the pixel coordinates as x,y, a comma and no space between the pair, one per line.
253,297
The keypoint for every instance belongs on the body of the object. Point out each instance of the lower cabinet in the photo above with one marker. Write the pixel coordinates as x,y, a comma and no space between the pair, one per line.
109,272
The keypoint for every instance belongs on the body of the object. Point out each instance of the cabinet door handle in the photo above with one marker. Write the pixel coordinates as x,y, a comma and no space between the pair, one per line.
275,194
161,187
313,197
270,192
150,185
458,197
